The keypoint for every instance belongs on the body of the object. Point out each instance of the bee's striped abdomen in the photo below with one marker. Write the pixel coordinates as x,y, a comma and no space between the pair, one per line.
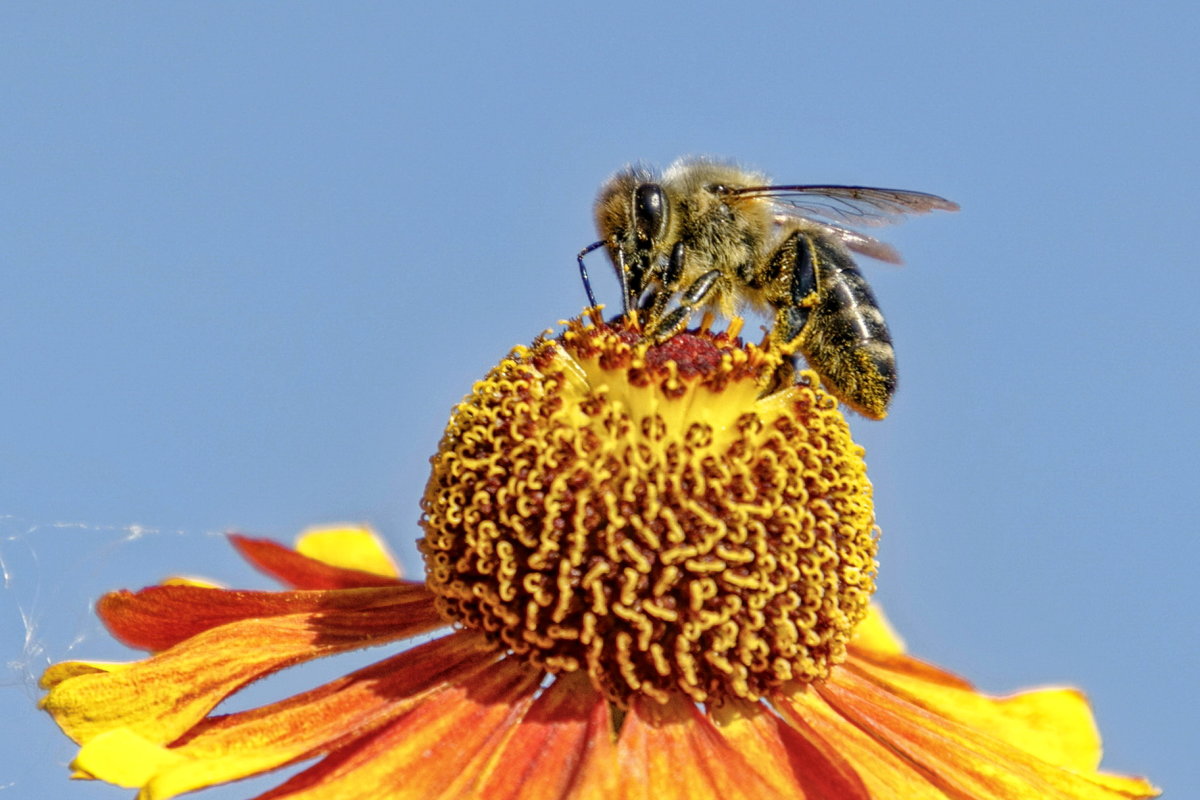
844,336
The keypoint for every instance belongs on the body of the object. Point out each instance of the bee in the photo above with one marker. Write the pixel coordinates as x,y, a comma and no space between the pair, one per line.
719,237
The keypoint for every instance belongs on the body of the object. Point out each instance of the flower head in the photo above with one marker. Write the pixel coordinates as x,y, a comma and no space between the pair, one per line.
645,514
656,564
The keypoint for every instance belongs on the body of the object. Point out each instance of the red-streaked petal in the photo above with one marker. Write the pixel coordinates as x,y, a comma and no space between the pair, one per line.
884,773
162,616
796,761
960,760
349,706
437,750
165,695
671,750
301,572
561,749
922,670
223,749
1056,725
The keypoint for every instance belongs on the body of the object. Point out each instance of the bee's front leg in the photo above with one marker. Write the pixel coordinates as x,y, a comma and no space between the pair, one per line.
692,296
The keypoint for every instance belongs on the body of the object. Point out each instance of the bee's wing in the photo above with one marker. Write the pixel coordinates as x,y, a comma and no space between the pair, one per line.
856,205
858,242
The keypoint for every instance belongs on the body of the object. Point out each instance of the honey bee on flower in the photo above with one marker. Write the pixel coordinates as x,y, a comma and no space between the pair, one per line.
707,234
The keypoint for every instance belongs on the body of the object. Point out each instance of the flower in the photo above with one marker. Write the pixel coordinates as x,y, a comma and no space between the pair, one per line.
656,563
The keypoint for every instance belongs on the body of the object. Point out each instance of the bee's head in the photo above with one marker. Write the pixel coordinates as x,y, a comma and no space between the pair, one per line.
634,220
633,211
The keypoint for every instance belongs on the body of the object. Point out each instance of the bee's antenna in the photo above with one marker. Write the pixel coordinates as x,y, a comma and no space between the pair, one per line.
623,275
587,285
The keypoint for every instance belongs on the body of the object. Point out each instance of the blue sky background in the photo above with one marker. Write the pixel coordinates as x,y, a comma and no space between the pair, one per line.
253,253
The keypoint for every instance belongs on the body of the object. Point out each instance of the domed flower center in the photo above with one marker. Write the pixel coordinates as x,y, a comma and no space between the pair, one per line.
647,514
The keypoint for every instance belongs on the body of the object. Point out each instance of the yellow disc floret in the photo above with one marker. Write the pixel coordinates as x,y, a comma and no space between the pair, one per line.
646,513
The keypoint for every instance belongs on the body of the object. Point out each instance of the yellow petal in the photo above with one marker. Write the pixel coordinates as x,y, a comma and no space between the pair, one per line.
184,580
173,779
57,673
958,759
122,757
1055,725
876,633
349,547
162,697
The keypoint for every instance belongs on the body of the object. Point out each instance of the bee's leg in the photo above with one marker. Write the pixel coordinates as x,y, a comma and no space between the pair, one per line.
789,322
693,296
674,267
627,299
782,377
587,285
671,324
656,302
796,257
653,303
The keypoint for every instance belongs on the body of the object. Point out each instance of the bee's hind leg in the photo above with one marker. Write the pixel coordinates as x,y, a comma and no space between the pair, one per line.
789,321
795,257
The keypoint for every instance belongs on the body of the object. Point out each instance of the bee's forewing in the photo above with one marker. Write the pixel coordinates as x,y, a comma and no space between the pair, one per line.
857,205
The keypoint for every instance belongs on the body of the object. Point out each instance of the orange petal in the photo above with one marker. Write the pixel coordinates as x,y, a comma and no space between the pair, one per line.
561,748
882,772
301,572
793,759
927,673
162,616
961,761
438,750
673,751
165,695
227,748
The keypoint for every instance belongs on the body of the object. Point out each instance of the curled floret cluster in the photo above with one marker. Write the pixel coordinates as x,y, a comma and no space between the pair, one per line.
654,514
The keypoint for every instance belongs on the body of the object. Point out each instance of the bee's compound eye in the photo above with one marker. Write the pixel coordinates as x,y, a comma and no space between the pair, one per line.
650,211
717,188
